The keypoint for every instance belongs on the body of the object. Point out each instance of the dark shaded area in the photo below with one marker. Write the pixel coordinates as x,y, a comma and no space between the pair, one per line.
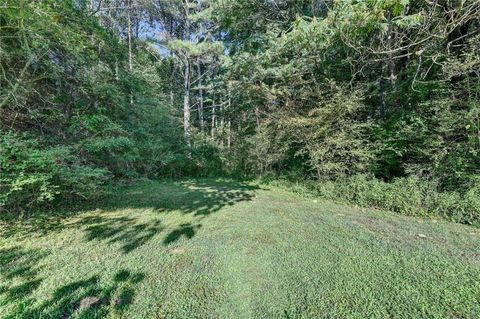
40,223
19,263
85,298
187,230
121,229
89,298
199,198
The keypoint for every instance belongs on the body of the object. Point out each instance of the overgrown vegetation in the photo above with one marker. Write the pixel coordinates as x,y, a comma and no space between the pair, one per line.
376,102
409,196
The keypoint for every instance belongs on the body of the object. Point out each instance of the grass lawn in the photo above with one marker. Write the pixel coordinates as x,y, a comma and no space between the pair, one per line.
223,249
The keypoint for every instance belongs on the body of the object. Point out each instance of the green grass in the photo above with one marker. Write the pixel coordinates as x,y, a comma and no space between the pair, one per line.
223,249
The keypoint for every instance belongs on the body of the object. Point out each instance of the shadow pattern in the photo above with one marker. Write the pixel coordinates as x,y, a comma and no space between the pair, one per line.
21,270
21,264
196,198
121,229
85,298
186,230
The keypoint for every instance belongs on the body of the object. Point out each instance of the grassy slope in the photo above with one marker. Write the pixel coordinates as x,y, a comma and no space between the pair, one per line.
230,250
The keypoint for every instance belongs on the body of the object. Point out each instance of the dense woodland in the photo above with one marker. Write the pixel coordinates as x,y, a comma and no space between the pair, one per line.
373,102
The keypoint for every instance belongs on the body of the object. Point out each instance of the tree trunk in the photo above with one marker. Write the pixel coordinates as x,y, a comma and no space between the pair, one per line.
186,103
222,123
130,65
229,105
129,18
116,70
383,93
200,97
391,63
229,136
186,80
212,131
388,67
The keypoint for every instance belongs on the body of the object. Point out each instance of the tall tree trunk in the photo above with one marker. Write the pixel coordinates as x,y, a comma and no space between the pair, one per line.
383,93
116,70
229,105
129,22
186,79
388,67
186,103
130,65
200,97
229,136
222,123
212,131
391,63
257,115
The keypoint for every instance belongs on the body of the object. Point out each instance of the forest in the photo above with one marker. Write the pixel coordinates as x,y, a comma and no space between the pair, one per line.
382,96
201,106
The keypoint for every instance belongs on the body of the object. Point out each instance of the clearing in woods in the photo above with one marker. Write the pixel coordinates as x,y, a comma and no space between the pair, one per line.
225,249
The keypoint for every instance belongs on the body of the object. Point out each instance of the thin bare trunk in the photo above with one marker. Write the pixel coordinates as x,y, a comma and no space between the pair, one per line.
391,63
200,97
186,81
116,69
212,131
130,65
222,124
129,17
186,103
383,93
388,67
229,105
229,136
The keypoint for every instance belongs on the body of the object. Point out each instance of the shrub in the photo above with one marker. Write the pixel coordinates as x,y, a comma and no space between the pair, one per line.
412,196
33,175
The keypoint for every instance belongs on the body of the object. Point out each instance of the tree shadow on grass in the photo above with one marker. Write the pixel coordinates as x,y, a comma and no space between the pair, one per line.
125,230
197,198
21,268
86,298
21,275
19,265
19,262
184,230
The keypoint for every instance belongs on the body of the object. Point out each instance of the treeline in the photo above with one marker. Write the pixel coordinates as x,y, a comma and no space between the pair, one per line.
374,102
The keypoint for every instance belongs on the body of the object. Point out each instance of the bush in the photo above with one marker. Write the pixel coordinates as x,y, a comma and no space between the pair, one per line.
33,175
411,196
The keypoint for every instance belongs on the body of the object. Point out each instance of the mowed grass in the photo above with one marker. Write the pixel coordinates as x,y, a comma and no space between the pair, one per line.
224,249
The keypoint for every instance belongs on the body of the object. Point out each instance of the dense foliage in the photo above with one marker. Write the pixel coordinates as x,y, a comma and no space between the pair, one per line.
370,100
72,113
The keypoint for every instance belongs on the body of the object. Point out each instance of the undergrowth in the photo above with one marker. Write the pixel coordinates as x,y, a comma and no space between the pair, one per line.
411,196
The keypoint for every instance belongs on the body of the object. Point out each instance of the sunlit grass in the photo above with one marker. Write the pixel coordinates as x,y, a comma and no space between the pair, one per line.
220,249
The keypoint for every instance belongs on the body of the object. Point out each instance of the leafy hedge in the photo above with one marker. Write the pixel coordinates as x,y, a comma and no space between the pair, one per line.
410,196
